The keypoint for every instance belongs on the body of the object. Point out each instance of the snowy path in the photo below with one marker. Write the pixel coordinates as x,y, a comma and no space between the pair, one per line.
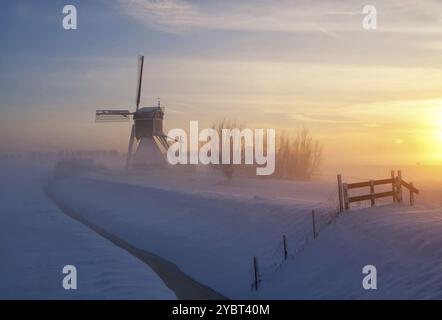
37,240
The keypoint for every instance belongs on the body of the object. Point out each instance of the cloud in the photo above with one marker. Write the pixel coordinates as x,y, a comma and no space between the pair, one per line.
178,15
305,118
323,16
166,15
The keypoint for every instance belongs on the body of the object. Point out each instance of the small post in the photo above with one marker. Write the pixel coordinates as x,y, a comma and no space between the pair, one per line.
341,201
314,225
284,241
345,190
393,189
255,271
411,194
372,193
399,186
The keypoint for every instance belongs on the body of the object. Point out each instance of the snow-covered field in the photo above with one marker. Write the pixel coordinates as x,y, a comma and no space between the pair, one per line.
211,229
37,241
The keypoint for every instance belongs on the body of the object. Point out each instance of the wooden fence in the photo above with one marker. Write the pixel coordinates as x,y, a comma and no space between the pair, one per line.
396,183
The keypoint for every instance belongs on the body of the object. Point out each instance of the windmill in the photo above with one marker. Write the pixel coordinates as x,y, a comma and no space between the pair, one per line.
147,128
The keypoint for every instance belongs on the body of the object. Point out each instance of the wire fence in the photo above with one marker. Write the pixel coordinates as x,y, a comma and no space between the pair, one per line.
273,258
314,222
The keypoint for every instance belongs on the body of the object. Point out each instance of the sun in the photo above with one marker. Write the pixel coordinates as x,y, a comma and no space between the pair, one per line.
439,129
431,138
437,121
438,125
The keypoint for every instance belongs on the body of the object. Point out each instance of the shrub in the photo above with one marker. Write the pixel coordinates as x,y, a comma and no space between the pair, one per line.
297,157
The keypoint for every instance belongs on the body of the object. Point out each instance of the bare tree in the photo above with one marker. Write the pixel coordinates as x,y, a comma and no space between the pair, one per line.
226,169
297,157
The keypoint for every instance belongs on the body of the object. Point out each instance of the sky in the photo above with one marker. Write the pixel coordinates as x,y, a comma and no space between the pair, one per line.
370,96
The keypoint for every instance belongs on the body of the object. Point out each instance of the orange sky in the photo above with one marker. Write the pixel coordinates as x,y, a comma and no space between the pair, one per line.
368,96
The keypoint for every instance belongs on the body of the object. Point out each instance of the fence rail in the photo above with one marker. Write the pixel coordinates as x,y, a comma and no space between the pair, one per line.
370,196
396,190
410,186
367,183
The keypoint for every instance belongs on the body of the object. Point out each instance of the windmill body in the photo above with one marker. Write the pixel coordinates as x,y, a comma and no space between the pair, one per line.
152,143
147,130
148,121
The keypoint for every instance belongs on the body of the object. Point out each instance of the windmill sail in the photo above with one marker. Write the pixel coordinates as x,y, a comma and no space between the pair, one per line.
162,143
130,148
112,116
139,81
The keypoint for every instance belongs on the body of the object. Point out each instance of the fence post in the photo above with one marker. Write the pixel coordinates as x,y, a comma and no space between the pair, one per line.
372,193
255,271
411,194
345,189
284,241
393,188
399,186
341,203
314,225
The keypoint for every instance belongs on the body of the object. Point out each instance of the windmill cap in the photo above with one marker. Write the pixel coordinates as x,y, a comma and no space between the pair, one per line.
149,112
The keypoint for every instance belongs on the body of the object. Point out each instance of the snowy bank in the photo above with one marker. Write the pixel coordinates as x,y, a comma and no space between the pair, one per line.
37,241
212,235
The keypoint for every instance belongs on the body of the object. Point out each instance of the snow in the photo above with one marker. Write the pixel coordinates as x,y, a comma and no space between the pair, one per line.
212,236
403,243
37,240
205,182
212,228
